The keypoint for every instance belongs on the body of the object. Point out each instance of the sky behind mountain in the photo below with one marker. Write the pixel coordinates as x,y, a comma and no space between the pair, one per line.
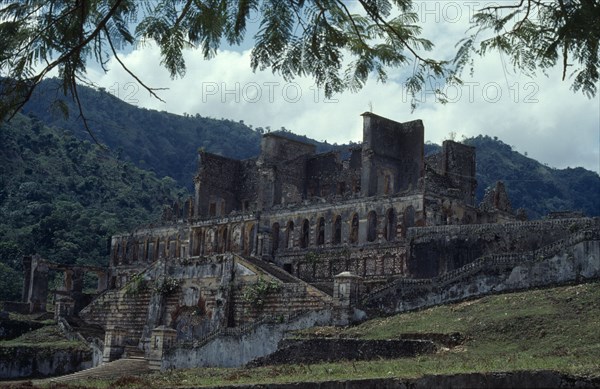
538,115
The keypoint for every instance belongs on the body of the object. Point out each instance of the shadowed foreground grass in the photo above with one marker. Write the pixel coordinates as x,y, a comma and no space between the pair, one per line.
546,329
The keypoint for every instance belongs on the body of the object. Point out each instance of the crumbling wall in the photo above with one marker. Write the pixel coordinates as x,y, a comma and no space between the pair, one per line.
574,259
392,155
282,170
216,185
458,164
331,176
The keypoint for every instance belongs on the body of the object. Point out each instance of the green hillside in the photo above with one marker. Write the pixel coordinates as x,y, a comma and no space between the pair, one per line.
546,329
161,142
63,198
167,144
531,185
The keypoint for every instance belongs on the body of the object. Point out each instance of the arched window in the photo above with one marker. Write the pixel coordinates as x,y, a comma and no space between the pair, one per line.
337,230
371,226
305,233
321,231
289,235
389,231
275,236
354,229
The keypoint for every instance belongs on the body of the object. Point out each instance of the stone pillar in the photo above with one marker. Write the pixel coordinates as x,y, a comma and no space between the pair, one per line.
265,246
26,278
114,344
102,281
63,307
161,340
346,296
37,294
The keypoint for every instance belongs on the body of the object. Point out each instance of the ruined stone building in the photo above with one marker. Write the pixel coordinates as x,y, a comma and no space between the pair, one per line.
290,201
293,238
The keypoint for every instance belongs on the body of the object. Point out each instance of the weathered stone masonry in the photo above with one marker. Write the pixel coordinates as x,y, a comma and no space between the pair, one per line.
292,238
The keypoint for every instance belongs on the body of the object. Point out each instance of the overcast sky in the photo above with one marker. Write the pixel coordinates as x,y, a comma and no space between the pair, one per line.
540,115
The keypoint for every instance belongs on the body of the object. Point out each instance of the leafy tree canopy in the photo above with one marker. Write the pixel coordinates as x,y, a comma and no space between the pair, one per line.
322,39
540,34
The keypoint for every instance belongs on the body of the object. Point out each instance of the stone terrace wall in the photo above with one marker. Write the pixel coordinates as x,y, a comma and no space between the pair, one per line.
575,259
372,262
437,250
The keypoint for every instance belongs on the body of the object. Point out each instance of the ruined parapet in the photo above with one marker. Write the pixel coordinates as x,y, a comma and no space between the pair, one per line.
496,199
282,170
495,206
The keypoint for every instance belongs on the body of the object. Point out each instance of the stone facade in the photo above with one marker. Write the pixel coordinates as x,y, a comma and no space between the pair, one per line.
291,206
291,239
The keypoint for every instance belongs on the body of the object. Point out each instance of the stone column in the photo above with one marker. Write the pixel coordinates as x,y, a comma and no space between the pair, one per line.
161,340
114,339
346,295
102,281
38,285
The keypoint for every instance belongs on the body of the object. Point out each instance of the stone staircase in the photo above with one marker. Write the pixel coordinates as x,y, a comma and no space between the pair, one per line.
274,270
87,331
111,370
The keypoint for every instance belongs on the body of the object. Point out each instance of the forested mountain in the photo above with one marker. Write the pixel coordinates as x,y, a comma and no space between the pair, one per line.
537,188
164,143
63,198
167,144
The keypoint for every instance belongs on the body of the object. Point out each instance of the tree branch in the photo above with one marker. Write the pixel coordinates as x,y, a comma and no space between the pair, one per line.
38,78
377,19
151,90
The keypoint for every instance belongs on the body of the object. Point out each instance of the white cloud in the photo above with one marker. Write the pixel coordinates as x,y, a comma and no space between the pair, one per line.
539,115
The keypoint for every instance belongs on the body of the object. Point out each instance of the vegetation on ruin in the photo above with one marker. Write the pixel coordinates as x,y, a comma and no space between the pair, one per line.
63,199
338,45
48,337
544,329
166,286
255,294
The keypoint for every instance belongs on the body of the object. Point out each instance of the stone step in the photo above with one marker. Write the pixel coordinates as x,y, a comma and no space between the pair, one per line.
115,369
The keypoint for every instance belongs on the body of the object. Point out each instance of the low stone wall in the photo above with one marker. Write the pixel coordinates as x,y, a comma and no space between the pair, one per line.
329,350
16,306
10,329
495,274
28,362
499,380
237,348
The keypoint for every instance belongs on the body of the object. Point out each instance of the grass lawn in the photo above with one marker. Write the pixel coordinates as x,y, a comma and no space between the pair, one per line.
557,329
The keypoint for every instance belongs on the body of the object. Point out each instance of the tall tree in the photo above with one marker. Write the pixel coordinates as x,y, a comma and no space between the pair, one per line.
337,42
538,35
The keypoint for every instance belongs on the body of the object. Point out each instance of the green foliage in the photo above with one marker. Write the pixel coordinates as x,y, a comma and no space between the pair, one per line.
11,283
256,293
540,35
166,286
324,40
536,188
47,337
136,285
311,257
161,143
63,198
